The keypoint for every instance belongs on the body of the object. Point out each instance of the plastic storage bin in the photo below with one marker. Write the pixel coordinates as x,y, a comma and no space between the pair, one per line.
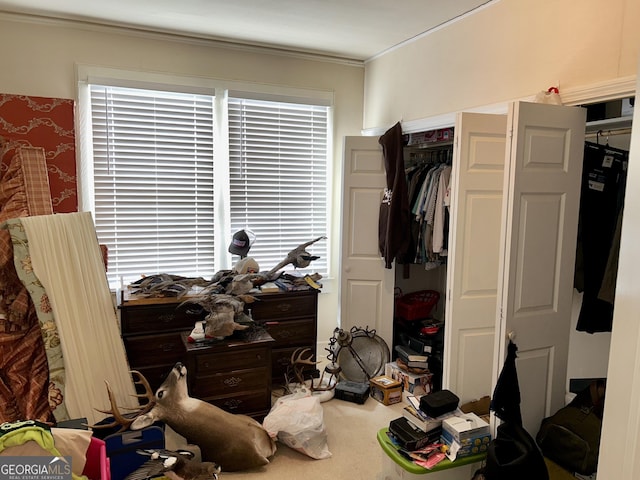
416,305
97,466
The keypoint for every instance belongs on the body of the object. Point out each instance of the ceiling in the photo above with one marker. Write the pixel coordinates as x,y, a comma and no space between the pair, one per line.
349,29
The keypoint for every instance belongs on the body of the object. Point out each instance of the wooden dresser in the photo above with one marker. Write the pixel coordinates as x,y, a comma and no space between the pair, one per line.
233,374
291,318
152,330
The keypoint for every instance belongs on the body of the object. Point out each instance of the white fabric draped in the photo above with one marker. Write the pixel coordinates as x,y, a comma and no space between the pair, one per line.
66,258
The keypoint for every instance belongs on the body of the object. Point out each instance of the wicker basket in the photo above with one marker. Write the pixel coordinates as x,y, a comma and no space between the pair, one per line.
416,305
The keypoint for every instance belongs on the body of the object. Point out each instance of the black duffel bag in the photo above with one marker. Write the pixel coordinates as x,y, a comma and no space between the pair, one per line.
571,436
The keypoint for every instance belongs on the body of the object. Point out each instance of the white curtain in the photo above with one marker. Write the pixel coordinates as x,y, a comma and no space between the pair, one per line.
67,260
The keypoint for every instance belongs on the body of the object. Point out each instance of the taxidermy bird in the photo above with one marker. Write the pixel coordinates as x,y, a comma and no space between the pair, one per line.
223,312
178,465
298,257
165,285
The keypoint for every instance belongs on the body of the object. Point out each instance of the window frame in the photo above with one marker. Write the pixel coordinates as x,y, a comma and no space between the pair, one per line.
220,90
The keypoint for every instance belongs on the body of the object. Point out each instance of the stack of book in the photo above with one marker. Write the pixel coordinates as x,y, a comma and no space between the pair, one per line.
411,358
420,419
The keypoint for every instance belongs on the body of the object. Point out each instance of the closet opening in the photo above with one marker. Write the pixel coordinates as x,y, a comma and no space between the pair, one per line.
607,141
420,275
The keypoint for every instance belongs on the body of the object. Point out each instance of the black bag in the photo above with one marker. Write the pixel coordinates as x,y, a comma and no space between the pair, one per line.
513,454
571,436
439,403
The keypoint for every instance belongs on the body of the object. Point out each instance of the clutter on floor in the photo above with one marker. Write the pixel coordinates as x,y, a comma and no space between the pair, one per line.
434,428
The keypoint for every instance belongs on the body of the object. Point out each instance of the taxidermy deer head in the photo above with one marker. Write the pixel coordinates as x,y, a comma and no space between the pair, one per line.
233,441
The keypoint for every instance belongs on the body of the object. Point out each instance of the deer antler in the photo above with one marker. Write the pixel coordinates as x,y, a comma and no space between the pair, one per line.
125,420
298,362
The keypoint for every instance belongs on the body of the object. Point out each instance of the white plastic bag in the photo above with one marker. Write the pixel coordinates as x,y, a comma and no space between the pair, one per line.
297,421
550,97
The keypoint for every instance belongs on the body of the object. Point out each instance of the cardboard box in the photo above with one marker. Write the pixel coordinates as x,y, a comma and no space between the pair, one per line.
414,383
477,445
465,434
386,390
465,428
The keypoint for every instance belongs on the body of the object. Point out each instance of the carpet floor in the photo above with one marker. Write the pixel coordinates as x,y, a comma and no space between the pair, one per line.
351,438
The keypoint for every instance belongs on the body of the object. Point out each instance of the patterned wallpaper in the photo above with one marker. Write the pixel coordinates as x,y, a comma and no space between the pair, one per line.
47,123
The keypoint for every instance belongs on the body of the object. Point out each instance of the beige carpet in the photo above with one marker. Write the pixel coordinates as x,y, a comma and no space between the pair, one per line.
355,453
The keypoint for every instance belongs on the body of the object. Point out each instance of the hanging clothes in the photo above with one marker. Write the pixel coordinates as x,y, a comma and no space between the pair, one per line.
601,202
393,223
428,180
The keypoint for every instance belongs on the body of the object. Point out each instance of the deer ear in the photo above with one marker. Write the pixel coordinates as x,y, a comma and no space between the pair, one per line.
143,421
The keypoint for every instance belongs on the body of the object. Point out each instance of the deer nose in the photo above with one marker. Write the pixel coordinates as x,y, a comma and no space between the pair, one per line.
180,368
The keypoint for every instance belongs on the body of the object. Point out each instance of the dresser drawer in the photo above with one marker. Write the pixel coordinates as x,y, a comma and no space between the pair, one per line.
271,307
293,332
229,361
246,403
158,318
281,359
231,383
148,350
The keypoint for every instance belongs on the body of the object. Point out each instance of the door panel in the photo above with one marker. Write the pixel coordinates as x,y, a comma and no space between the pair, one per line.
542,193
366,287
474,251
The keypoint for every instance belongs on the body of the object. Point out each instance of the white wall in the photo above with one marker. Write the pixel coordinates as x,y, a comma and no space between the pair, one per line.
509,50
620,439
39,58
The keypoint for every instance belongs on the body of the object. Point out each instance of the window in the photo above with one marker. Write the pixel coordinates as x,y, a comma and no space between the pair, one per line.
278,176
175,174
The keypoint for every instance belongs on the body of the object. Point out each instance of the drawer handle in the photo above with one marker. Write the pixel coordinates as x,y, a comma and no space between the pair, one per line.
166,317
194,311
284,307
233,404
232,381
283,361
167,347
258,356
285,334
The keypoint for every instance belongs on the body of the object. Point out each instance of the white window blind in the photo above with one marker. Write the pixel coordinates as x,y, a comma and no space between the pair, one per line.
278,177
154,185
153,181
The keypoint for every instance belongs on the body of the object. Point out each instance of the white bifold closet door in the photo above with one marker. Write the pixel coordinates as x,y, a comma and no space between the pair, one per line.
514,214
541,206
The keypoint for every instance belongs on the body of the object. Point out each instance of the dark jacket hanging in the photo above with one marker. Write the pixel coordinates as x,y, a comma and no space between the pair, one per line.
601,201
393,224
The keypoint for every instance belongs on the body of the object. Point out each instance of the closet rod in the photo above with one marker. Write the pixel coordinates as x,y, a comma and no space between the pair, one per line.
607,133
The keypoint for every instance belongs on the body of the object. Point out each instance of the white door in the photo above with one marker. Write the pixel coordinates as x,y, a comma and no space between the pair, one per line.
366,287
474,251
542,192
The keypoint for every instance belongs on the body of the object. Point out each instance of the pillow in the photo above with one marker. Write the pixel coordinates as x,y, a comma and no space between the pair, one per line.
24,191
73,442
70,442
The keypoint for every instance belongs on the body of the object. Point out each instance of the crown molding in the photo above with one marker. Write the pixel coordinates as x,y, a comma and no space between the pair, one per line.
613,89
166,35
